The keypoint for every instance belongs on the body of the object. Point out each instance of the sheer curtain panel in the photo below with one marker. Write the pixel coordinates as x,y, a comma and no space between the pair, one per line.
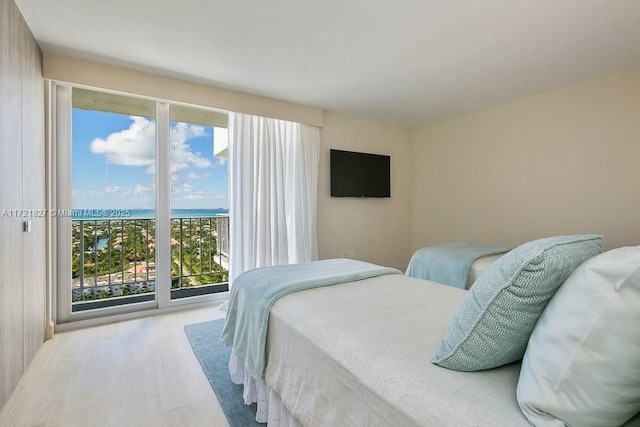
273,179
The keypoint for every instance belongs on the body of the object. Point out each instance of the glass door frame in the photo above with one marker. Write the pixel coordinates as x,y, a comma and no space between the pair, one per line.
61,176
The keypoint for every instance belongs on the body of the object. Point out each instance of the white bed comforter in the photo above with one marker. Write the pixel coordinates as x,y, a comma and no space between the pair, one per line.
255,291
360,353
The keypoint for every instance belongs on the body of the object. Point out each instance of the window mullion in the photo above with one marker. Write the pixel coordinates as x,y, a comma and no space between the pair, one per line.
163,207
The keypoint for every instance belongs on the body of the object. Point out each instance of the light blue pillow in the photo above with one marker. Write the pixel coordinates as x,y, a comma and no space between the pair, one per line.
494,321
582,364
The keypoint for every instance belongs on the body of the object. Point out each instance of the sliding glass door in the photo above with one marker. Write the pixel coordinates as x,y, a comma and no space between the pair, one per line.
113,200
199,214
141,203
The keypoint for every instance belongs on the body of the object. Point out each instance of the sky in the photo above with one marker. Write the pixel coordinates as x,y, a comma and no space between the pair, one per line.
113,163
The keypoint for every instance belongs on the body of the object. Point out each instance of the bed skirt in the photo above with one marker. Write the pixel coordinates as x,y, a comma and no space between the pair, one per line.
270,409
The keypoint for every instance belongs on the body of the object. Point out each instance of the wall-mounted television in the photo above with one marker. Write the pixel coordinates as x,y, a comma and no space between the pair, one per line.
359,174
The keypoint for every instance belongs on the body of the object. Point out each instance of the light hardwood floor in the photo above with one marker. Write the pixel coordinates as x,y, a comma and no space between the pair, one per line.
136,373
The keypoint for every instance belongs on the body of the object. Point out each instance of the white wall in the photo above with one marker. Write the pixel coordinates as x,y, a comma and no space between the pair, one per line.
562,162
376,230
67,69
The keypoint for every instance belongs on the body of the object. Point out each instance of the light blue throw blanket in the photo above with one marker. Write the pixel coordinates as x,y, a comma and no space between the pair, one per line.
255,291
449,264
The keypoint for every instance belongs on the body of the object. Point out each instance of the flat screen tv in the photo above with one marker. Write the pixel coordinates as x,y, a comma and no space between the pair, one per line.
360,174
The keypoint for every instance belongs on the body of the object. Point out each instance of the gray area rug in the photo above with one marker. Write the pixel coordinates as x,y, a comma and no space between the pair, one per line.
214,359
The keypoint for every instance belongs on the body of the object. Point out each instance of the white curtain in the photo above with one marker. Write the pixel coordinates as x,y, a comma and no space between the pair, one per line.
273,180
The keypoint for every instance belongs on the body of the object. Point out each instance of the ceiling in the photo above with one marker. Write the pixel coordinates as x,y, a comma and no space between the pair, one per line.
407,62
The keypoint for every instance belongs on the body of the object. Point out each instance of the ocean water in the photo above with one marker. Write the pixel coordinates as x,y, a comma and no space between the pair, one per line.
144,213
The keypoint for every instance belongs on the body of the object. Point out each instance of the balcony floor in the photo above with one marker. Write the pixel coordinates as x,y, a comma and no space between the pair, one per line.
136,373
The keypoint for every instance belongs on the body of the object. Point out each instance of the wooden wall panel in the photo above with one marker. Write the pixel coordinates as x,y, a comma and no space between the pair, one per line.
33,196
11,320
21,119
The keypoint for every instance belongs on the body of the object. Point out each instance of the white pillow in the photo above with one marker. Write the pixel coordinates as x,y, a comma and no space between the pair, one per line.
582,363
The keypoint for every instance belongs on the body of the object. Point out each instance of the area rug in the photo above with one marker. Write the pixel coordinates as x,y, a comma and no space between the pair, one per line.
214,359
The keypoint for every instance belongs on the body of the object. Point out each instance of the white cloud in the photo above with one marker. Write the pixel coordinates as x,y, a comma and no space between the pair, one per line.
140,189
129,147
221,161
135,146
115,196
181,155
185,193
195,196
115,189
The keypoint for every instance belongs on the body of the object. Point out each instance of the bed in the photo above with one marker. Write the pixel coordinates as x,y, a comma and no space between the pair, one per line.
480,265
360,352
341,355
455,264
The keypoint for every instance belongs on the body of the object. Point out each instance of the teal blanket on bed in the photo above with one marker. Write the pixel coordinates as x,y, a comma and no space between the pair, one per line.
255,291
449,264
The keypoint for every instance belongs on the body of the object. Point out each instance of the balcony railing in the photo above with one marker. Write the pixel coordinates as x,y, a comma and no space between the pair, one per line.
113,260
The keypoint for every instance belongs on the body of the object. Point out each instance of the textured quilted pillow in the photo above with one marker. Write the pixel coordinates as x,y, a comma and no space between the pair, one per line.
494,321
582,364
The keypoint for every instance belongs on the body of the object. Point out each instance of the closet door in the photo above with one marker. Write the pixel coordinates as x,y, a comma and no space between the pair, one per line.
11,320
33,197
22,198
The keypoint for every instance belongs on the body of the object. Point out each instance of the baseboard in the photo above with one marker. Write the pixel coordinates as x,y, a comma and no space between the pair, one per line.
180,305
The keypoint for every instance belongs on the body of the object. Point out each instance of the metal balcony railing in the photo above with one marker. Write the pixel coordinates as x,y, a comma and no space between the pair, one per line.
113,260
